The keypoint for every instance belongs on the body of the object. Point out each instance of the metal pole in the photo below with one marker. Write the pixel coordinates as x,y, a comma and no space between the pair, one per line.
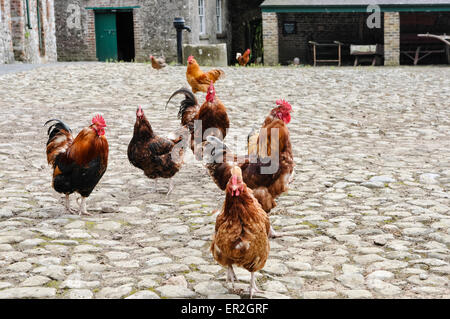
179,45
28,15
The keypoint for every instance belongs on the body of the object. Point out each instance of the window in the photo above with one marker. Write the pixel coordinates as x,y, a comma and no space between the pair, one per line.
219,15
201,15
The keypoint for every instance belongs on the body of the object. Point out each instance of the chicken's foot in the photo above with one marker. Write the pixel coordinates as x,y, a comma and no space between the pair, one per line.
82,210
273,233
67,206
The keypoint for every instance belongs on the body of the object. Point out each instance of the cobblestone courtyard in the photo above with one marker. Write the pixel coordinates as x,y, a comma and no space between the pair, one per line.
367,216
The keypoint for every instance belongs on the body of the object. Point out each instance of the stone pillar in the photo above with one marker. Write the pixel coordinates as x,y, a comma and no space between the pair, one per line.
270,37
391,38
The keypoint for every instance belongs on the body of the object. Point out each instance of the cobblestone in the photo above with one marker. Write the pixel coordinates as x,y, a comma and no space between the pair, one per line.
367,215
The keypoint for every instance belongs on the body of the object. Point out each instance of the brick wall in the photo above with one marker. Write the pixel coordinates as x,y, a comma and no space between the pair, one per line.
391,38
6,47
270,37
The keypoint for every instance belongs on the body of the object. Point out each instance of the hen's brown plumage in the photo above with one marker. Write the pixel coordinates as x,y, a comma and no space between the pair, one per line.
158,63
212,114
157,156
241,231
78,164
267,184
199,80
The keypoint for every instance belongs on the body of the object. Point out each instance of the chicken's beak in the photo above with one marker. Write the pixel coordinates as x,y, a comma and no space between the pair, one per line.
139,112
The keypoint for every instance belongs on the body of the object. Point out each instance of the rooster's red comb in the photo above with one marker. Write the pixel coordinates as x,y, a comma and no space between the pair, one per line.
99,120
284,104
190,58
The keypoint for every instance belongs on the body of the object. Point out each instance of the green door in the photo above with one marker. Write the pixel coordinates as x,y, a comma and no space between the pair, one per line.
106,35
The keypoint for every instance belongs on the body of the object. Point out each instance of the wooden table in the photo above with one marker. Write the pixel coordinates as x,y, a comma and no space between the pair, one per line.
334,44
420,52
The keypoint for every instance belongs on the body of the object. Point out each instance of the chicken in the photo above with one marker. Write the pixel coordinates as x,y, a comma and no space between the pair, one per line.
78,164
267,171
243,58
280,112
158,63
157,156
199,80
209,119
241,231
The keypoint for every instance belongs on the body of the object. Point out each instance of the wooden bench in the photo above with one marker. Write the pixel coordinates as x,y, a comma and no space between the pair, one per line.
373,51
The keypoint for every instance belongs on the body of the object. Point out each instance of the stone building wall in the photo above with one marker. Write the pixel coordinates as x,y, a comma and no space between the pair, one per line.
25,33
6,47
153,26
349,28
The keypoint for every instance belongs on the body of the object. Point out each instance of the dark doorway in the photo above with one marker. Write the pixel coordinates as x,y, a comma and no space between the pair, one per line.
125,36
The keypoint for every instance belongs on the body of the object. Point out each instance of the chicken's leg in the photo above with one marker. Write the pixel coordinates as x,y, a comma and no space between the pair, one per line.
231,276
253,287
67,205
170,187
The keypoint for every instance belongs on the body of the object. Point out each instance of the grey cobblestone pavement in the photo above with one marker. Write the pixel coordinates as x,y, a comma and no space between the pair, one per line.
367,215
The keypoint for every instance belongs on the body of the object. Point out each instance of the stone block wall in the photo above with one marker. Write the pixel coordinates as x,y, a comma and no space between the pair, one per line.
391,38
153,27
6,47
270,37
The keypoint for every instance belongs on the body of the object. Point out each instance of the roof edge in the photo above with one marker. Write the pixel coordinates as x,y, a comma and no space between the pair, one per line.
355,8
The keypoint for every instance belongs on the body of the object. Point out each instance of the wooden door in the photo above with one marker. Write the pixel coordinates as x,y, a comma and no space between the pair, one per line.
106,36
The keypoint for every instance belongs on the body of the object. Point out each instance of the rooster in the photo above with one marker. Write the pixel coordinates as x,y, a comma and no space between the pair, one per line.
268,170
241,231
158,63
78,164
157,156
278,117
243,58
199,80
212,117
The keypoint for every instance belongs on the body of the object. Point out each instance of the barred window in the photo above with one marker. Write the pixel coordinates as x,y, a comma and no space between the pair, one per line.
219,15
201,15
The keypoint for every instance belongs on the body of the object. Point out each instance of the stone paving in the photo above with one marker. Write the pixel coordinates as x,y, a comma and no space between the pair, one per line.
367,215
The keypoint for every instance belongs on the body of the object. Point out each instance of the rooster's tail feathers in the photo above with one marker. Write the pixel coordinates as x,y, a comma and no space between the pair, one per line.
59,137
189,101
57,127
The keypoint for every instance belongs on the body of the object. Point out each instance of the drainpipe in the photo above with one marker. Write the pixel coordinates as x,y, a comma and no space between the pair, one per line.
28,15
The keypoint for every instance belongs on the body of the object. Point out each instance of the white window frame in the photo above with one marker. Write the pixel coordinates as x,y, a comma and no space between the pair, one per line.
219,16
201,16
